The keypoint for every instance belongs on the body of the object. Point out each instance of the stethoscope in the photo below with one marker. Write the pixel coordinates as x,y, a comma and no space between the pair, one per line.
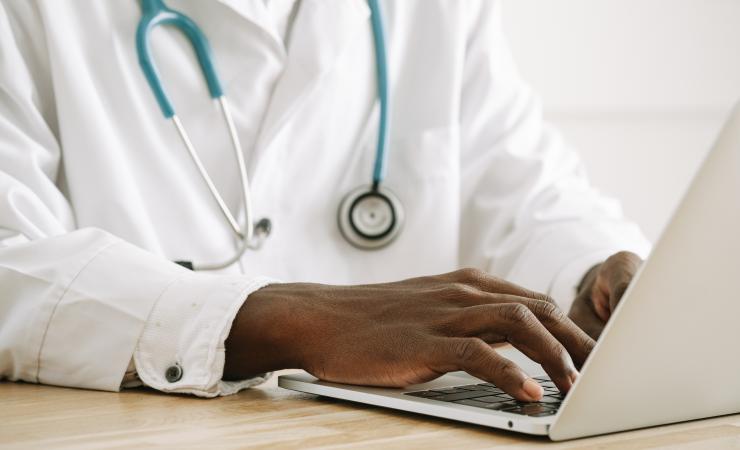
370,217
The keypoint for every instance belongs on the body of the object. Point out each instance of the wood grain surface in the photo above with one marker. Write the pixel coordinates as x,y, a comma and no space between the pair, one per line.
45,417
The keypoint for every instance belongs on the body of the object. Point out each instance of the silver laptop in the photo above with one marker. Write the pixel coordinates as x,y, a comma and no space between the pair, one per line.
670,353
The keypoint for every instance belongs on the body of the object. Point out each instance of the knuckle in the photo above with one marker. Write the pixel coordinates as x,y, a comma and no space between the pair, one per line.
558,350
540,296
516,312
548,311
458,291
623,257
503,366
468,350
470,275
561,358
588,343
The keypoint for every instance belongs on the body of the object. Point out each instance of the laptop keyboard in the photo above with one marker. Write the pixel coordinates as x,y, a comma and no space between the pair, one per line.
488,396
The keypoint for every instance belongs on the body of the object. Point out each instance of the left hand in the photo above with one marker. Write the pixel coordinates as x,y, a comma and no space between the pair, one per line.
600,292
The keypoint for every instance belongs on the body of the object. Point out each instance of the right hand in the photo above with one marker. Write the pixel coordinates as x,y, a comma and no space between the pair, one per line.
408,332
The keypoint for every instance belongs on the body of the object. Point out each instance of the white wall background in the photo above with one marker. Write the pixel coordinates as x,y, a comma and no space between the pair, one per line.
639,87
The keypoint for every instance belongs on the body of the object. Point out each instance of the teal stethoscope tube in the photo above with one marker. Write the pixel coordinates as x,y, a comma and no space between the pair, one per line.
377,208
155,12
381,67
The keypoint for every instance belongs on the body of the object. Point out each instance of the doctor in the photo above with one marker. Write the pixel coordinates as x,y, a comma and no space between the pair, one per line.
100,194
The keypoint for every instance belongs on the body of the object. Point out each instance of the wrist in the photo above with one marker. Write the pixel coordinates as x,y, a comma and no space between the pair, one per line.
261,336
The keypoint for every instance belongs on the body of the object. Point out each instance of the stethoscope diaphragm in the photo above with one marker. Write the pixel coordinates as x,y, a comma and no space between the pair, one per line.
370,218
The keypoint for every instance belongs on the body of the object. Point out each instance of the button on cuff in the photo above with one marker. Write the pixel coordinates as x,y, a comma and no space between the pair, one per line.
188,327
173,373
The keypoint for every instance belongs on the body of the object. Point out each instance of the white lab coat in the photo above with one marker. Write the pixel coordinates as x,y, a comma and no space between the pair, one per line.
97,194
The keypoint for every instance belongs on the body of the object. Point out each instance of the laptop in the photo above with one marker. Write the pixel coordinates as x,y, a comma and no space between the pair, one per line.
670,353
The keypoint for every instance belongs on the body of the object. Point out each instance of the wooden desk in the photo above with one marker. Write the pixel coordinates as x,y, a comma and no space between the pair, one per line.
45,417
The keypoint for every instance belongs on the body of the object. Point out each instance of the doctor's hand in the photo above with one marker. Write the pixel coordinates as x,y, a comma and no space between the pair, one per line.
408,332
601,290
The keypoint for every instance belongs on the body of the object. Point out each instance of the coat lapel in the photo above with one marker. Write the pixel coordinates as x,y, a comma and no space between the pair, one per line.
255,12
321,31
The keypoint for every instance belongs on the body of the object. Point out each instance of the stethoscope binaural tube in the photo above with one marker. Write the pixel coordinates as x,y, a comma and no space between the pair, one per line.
154,13
369,217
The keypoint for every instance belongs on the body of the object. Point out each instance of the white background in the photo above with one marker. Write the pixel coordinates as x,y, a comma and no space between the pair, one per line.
639,87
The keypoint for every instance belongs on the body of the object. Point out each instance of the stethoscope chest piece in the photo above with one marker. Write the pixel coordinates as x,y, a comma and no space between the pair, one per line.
370,218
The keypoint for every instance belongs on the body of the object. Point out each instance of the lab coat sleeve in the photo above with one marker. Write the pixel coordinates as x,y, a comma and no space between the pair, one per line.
528,211
76,305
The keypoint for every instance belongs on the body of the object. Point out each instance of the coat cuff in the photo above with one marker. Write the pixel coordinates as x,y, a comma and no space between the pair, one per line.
115,300
557,261
181,348
102,302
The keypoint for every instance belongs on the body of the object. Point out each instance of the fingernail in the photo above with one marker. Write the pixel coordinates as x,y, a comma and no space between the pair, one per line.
532,389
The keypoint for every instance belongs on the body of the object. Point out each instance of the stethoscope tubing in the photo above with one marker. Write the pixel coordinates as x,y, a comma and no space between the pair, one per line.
155,13
381,67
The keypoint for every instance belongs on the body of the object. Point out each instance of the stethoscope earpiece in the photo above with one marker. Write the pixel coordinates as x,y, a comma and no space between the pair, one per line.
370,218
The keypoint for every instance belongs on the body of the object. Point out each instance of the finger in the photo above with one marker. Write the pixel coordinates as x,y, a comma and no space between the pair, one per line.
574,339
600,300
518,325
616,274
490,284
477,358
571,336
619,281
582,313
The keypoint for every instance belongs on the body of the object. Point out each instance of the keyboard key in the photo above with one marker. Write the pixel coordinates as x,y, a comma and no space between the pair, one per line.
471,387
503,406
551,400
542,378
424,394
552,406
476,403
492,390
492,399
461,396
528,409
545,413
515,407
452,390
